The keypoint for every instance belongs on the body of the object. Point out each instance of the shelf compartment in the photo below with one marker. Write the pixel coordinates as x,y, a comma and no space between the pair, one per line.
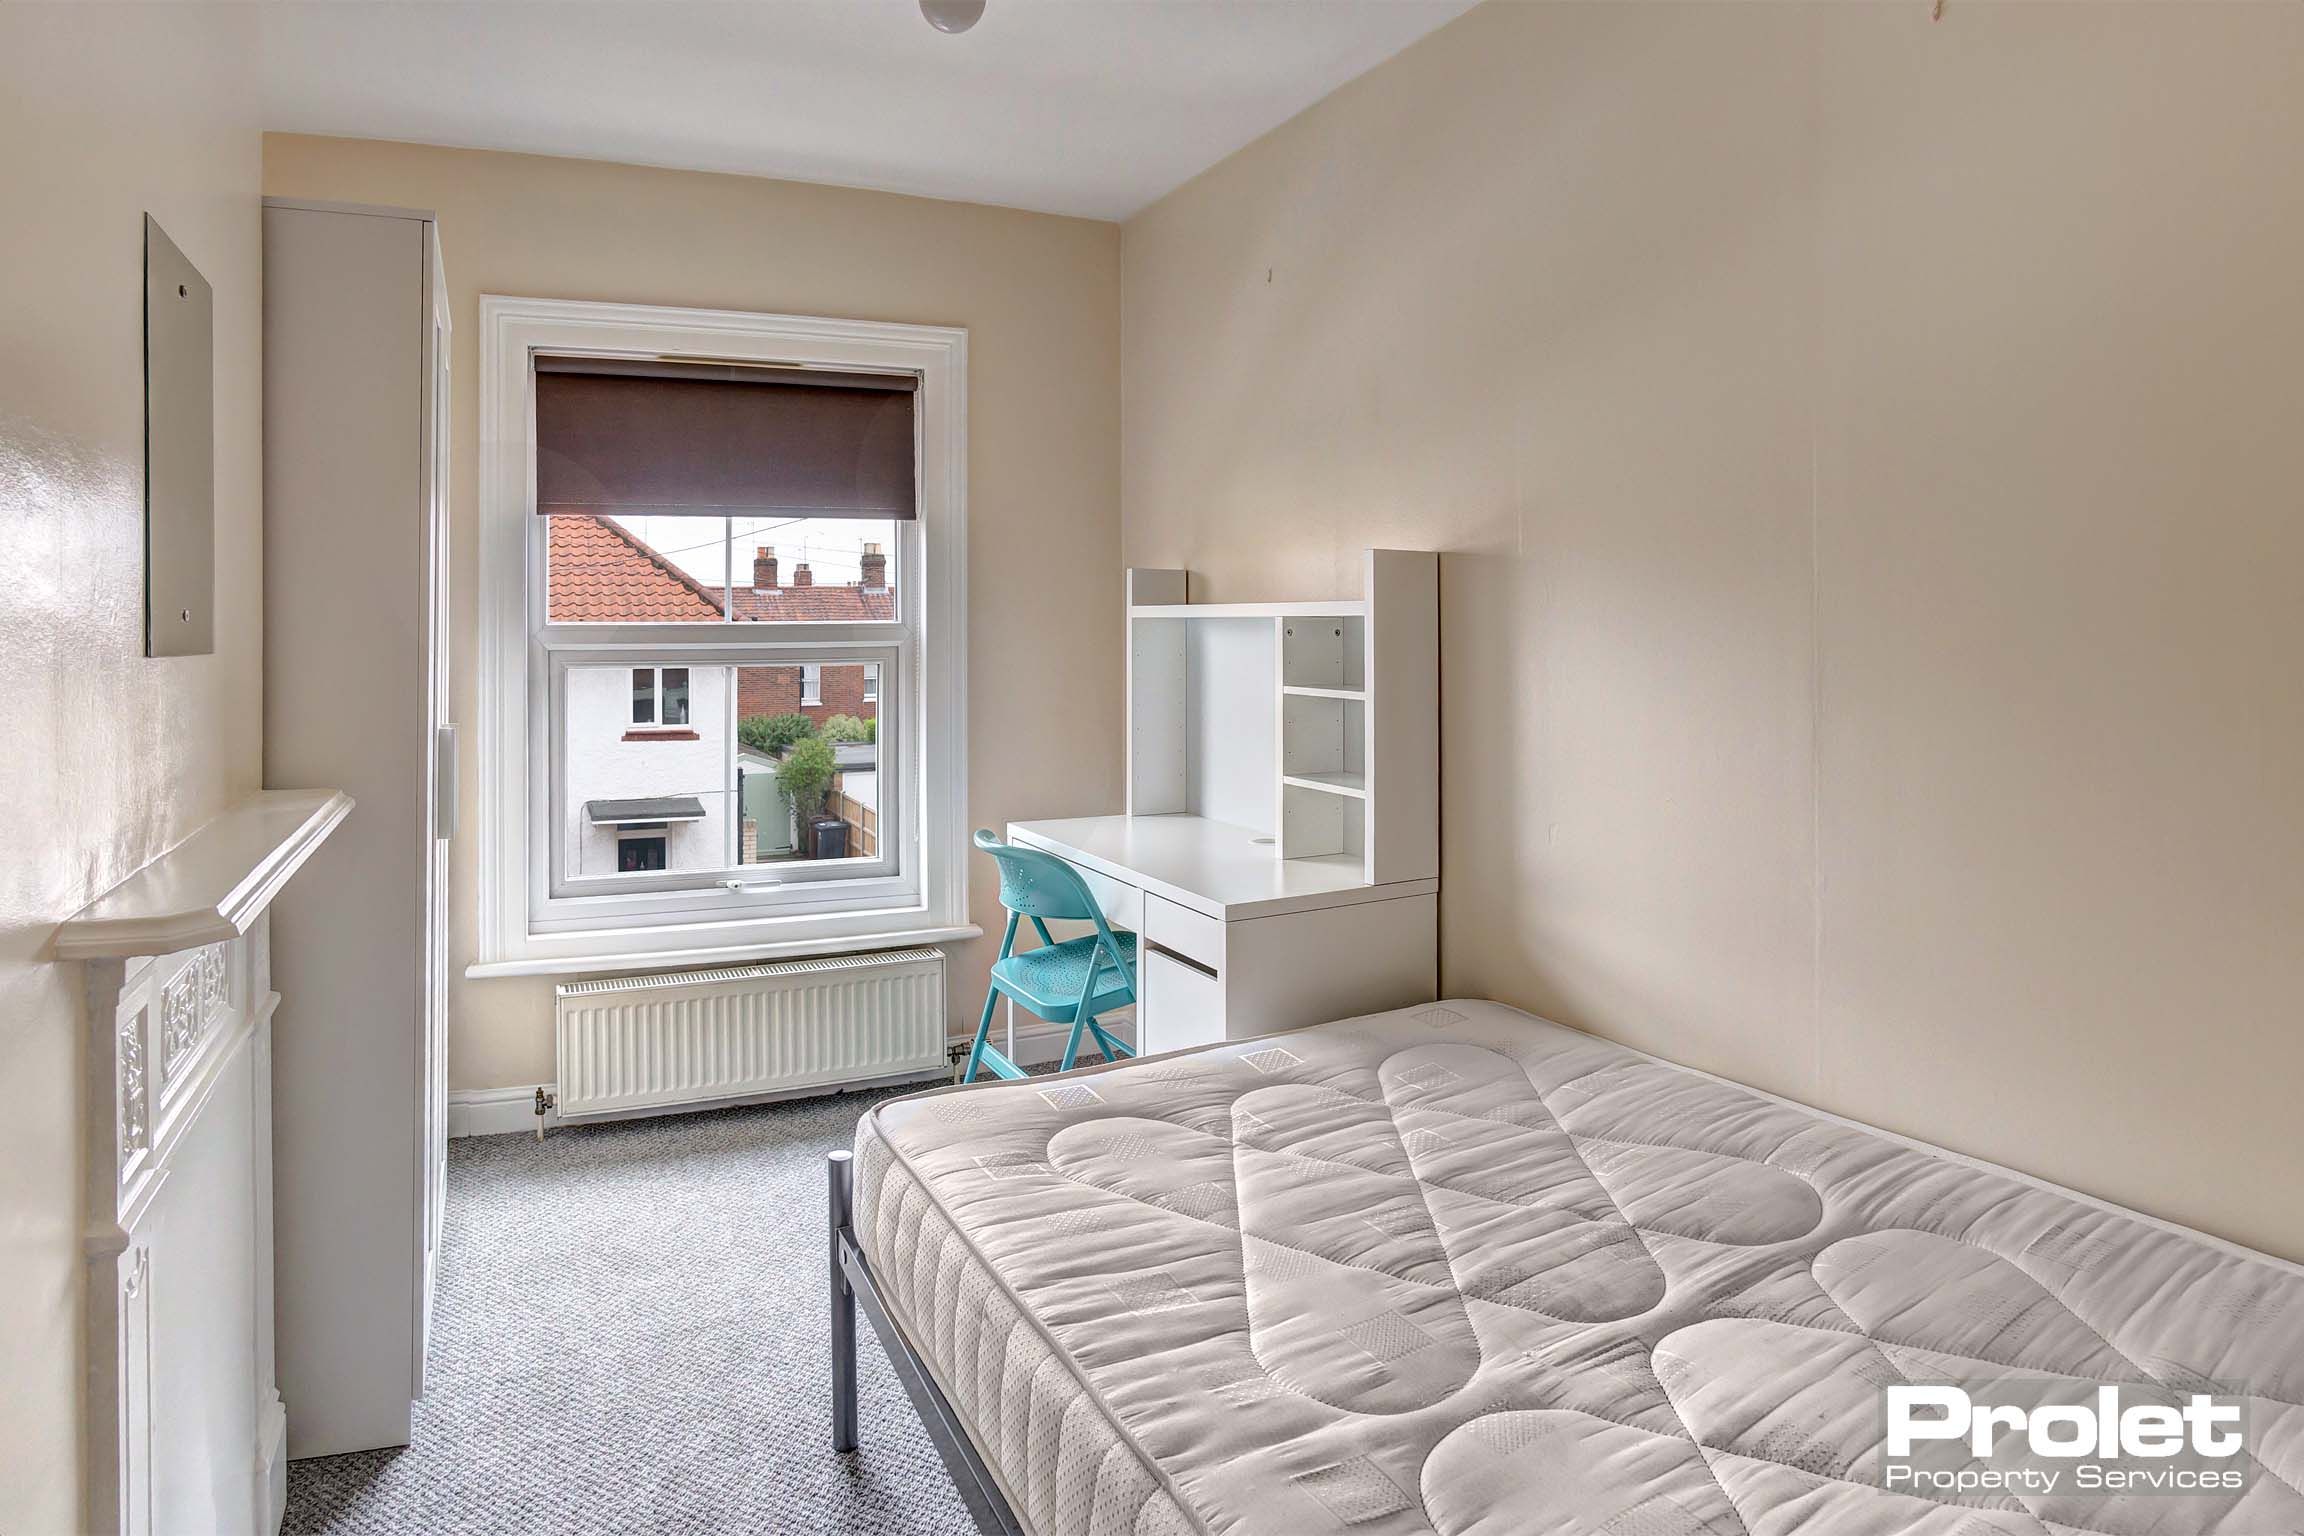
1323,735
1323,651
1315,823
1353,784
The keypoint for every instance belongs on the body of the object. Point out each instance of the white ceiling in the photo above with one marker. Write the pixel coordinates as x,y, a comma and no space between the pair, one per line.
1091,107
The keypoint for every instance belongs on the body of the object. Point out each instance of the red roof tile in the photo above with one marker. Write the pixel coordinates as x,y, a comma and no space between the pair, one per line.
817,605
596,571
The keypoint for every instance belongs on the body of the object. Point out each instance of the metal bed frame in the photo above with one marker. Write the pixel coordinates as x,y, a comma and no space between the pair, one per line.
852,1282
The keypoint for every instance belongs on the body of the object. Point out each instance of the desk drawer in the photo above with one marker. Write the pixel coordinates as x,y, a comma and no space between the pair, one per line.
1189,933
1182,1007
1122,904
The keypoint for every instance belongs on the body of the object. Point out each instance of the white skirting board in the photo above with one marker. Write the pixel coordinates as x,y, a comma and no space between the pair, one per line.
505,1111
494,1111
1038,1042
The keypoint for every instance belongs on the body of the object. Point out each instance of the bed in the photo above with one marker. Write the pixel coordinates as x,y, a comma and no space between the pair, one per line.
1458,1270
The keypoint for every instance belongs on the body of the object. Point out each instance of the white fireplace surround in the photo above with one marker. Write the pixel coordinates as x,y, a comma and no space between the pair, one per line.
185,1428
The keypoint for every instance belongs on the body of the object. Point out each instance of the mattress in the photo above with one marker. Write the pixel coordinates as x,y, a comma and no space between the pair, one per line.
1456,1269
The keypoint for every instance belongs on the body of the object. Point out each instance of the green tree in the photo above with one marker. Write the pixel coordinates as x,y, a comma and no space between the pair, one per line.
770,735
847,728
805,776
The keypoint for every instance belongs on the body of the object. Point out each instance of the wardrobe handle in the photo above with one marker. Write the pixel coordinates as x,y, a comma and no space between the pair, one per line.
444,796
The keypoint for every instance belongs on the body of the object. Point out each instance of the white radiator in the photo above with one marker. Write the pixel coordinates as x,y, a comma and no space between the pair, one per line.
657,1042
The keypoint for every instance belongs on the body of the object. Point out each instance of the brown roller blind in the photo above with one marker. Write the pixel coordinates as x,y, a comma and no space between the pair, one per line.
661,439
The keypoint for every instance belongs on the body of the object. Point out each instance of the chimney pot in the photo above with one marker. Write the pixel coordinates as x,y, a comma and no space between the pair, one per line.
764,565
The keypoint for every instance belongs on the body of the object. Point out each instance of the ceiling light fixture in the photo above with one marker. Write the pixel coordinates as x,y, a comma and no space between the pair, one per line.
952,15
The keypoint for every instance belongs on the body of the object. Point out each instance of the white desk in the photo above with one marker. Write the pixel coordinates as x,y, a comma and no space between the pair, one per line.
1235,941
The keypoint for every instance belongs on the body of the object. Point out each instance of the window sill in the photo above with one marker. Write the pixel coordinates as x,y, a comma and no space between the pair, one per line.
731,954
674,734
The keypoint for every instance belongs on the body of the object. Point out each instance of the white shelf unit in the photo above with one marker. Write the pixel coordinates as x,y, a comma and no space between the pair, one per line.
1342,606
1314,724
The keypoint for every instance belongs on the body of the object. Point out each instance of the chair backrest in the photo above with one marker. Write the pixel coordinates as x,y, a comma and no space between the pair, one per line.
1038,884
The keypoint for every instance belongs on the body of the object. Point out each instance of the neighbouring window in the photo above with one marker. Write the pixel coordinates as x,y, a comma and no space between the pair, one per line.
726,683
660,696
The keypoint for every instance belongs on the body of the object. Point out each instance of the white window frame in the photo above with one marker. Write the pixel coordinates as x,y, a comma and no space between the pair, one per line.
524,929
811,686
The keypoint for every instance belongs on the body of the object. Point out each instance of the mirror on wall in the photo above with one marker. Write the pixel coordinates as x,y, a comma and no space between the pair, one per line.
179,452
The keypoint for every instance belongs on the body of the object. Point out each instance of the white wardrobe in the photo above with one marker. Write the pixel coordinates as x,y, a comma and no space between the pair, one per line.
356,695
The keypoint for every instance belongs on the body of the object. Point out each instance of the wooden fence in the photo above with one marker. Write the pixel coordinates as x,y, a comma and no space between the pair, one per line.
863,823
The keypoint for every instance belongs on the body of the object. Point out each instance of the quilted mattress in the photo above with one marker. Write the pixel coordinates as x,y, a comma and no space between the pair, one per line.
1456,1269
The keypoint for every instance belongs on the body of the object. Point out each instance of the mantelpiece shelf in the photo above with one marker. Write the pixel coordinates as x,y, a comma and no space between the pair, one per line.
210,887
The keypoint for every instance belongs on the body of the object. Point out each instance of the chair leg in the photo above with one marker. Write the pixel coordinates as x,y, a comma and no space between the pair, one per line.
1110,1044
983,1035
1072,1041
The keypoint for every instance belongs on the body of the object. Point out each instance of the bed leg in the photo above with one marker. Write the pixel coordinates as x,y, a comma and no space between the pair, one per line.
837,1167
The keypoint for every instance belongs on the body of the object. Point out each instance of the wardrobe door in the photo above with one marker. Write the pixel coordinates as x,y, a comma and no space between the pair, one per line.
440,802
354,684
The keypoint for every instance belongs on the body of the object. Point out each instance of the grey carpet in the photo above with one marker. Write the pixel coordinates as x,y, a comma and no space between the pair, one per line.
631,1339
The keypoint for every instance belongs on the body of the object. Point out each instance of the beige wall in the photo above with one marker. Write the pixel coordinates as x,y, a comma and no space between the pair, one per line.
1868,457
105,112
1040,298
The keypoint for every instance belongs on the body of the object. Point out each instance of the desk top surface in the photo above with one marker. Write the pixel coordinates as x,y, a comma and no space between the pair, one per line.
1225,871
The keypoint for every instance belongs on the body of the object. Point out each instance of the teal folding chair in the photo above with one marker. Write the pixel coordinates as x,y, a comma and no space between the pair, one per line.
1067,983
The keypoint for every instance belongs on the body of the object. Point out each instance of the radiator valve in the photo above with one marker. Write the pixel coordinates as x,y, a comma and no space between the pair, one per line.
545,1104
